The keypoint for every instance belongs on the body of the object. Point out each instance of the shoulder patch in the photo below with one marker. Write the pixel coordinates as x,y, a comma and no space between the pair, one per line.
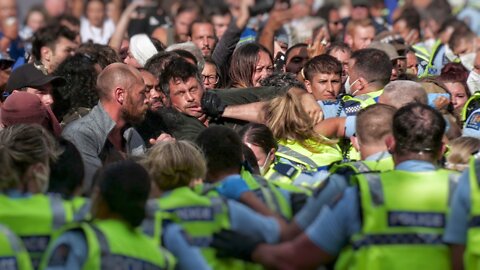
474,121
285,169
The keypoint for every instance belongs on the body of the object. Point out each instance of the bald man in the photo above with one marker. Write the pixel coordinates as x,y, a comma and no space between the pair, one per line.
105,135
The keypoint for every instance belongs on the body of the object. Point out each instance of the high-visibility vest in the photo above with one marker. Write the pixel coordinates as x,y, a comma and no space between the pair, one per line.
472,104
13,255
472,252
427,58
403,218
112,244
352,105
199,216
303,158
34,219
364,166
269,193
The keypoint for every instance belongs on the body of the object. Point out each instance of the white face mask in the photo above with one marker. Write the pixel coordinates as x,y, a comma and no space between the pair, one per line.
348,86
468,60
473,82
265,166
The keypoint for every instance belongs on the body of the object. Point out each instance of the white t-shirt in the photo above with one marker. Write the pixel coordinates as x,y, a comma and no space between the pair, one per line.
97,35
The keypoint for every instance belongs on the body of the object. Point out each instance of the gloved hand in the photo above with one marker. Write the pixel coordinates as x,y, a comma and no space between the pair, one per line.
212,105
232,187
229,243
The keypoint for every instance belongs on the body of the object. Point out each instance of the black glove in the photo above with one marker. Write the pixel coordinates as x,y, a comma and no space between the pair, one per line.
212,105
229,243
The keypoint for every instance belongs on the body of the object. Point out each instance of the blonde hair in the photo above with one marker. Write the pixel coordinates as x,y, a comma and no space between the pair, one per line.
22,146
353,24
461,149
173,164
287,120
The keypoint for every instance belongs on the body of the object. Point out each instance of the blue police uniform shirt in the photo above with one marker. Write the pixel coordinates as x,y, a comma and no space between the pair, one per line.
332,229
334,187
472,125
70,250
457,221
331,108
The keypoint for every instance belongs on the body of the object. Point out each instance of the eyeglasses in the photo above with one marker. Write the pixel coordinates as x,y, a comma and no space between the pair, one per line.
211,79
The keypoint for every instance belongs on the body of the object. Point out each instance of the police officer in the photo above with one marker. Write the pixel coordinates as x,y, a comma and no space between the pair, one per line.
463,223
13,255
222,147
111,241
25,152
174,166
392,220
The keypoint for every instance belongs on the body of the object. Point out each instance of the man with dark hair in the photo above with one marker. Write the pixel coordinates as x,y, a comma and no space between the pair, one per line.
402,212
222,148
323,77
51,45
182,85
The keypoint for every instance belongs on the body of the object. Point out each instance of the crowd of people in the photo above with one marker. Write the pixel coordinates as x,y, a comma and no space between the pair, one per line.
224,134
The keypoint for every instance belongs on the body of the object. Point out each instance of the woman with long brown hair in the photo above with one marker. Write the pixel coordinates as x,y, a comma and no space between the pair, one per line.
250,64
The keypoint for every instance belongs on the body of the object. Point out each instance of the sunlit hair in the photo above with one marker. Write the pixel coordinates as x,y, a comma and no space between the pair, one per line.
22,146
287,120
460,151
174,164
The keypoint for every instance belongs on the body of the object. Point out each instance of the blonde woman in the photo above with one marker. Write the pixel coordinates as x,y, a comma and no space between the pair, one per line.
173,167
460,151
298,143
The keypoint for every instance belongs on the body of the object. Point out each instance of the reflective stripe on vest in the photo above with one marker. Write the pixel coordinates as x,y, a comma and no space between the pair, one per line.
403,216
290,154
12,253
112,244
113,261
309,160
36,217
268,193
398,239
202,217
